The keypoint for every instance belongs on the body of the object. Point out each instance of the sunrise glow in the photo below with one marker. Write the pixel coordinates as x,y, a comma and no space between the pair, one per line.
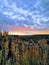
29,33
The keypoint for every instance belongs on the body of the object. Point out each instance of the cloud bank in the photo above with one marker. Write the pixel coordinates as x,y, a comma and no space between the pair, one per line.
25,13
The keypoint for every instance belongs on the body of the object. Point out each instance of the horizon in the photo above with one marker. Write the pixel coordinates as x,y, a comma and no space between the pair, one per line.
25,33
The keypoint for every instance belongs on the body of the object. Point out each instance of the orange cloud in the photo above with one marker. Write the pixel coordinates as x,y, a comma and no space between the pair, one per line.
14,30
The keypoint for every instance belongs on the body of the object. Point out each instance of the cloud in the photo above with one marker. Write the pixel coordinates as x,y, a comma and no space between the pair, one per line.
26,14
15,28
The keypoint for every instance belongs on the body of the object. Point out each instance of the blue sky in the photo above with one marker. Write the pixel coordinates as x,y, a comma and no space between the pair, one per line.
24,13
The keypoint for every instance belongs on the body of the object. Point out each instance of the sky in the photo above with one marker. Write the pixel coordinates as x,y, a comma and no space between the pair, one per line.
24,15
